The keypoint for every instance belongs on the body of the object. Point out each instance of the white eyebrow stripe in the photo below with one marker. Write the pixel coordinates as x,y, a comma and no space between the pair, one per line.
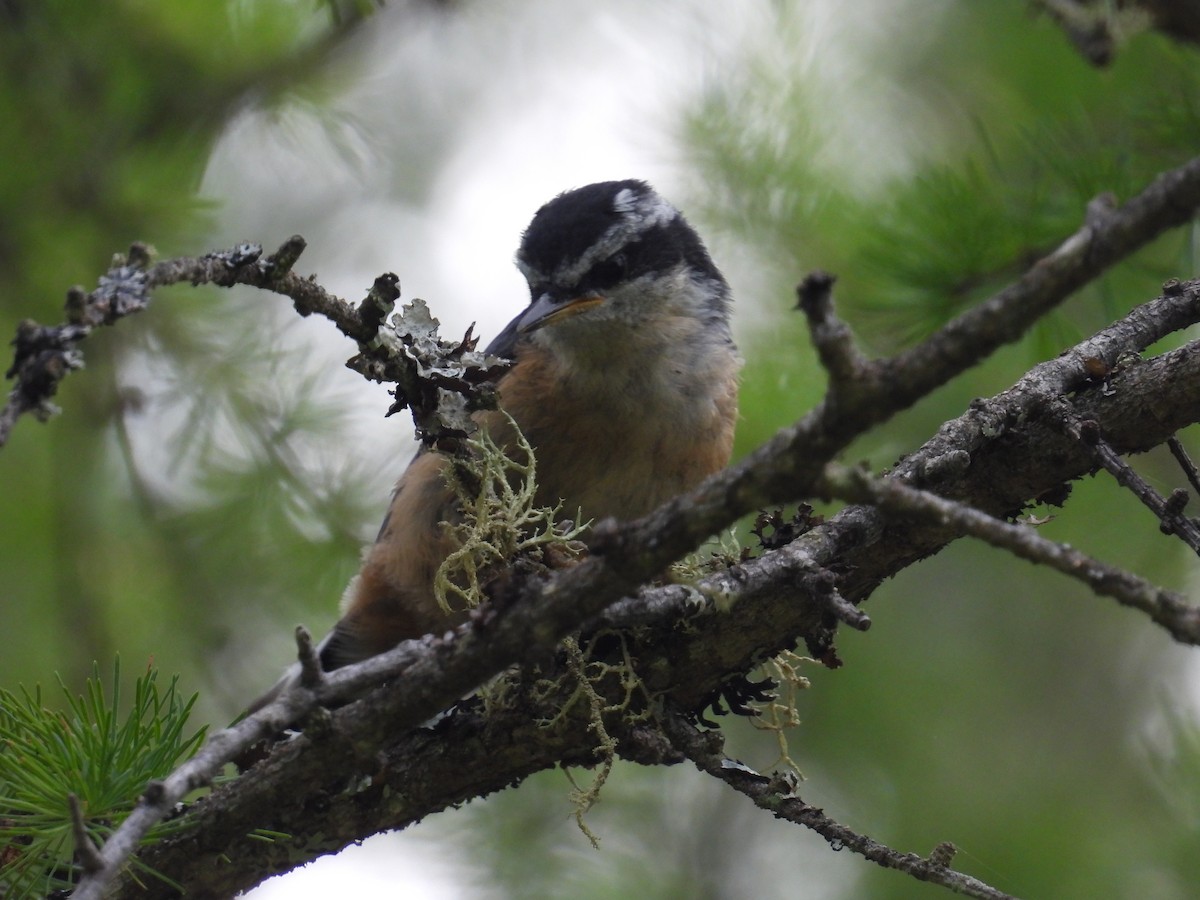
639,213
624,201
649,207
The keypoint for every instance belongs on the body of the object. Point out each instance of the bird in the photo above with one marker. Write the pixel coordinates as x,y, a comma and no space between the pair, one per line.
623,379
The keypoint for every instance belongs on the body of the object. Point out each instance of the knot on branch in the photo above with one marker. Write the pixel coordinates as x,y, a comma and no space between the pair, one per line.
278,263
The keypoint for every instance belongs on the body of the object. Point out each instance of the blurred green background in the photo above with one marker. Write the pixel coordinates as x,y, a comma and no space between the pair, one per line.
216,470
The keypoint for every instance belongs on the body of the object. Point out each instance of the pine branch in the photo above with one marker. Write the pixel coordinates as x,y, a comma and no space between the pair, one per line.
734,616
1167,608
750,610
769,603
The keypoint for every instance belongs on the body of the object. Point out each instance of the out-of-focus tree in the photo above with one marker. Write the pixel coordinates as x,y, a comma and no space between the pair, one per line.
1002,702
110,113
1048,734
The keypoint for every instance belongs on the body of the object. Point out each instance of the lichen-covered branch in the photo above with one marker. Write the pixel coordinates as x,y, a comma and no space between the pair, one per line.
739,616
735,616
442,382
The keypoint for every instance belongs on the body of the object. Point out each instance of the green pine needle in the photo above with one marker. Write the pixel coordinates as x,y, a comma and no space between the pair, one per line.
86,749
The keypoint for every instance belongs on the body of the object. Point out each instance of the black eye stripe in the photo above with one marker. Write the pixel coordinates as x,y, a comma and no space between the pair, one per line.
655,251
566,227
605,274
575,229
660,249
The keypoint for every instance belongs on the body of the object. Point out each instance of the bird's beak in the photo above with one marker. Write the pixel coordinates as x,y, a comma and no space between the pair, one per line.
547,309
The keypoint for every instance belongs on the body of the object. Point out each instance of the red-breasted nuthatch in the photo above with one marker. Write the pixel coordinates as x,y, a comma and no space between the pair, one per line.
624,381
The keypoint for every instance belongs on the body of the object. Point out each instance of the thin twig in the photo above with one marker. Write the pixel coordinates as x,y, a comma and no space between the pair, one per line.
831,336
823,583
777,794
310,664
1168,512
1185,462
89,855
1167,608
845,611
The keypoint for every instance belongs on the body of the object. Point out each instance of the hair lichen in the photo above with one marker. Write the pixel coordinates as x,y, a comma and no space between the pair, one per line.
583,679
499,518
778,714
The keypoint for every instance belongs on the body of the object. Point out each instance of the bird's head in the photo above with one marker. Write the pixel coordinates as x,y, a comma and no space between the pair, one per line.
614,260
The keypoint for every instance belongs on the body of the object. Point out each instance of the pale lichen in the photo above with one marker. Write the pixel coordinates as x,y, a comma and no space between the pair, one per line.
498,519
585,674
714,556
778,714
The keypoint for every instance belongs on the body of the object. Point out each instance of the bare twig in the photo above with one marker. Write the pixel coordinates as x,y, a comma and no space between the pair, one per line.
845,611
1169,609
1185,462
824,584
310,665
777,794
831,336
89,856
1168,512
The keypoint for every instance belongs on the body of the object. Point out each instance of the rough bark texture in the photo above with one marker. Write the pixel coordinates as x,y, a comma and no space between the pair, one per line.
368,766
365,770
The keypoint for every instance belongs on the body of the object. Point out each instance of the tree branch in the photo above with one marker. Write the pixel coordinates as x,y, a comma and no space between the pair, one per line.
441,382
735,617
1167,608
1168,512
1185,463
776,794
765,604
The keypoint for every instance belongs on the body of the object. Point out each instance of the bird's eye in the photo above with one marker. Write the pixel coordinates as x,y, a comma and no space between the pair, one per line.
609,272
